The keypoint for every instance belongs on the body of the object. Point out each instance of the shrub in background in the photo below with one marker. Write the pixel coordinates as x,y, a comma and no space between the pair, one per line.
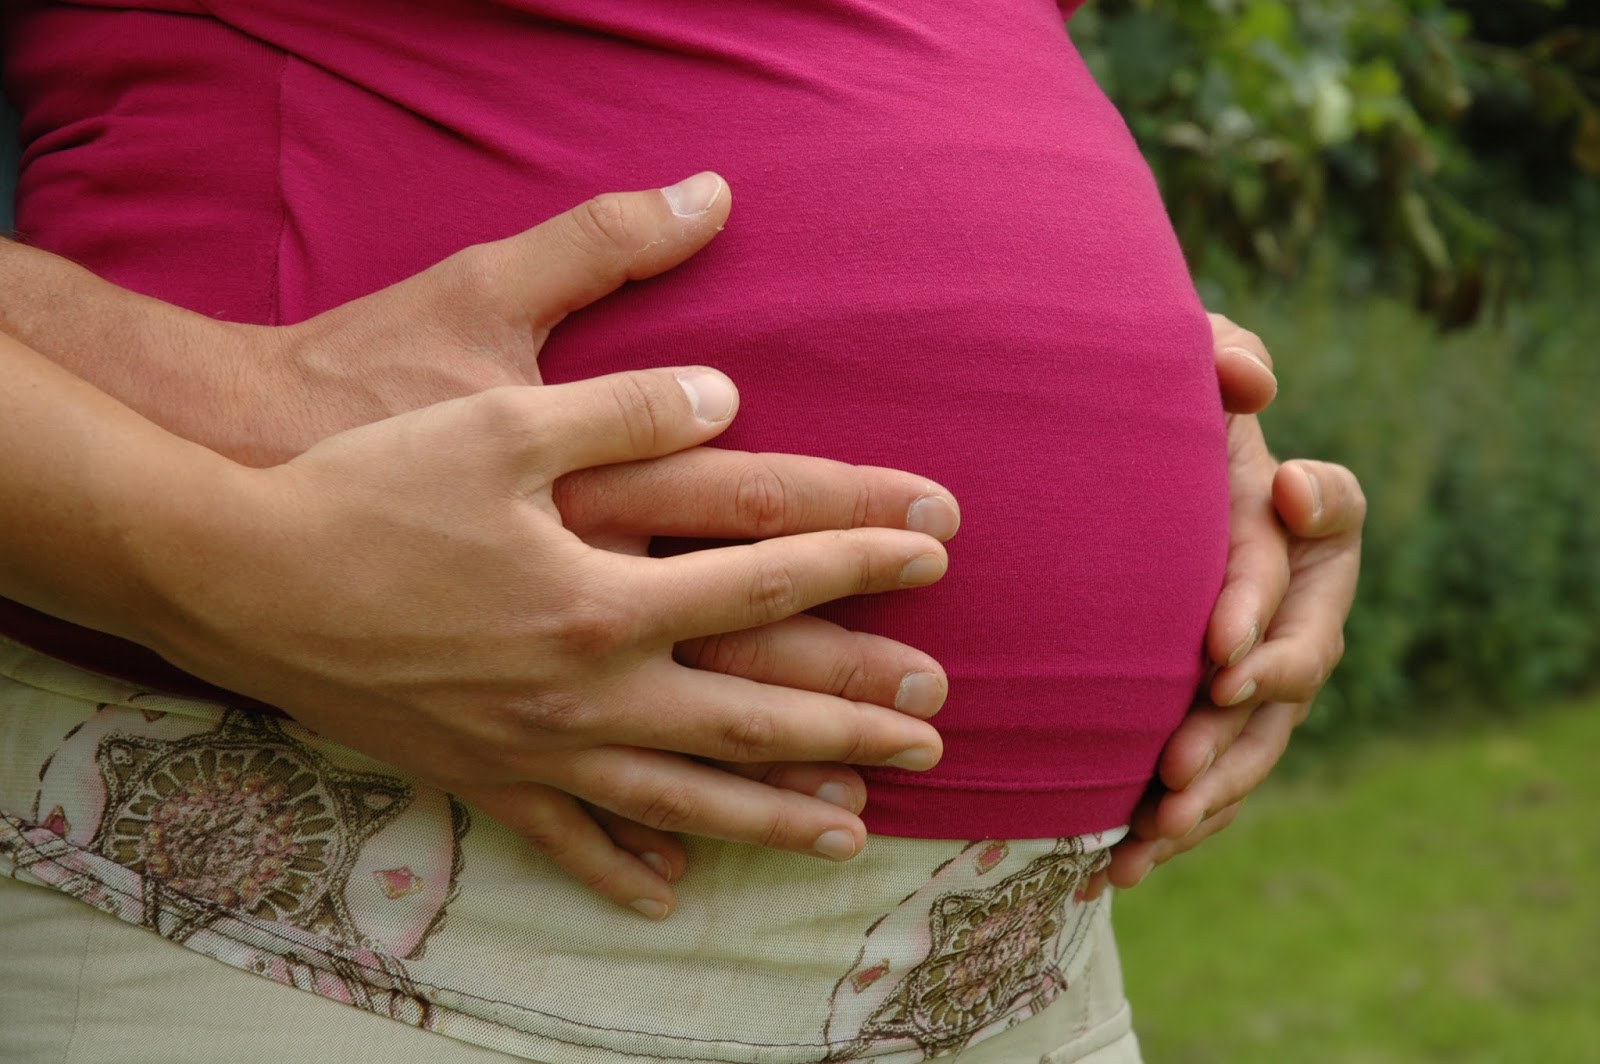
1431,137
1480,455
1332,167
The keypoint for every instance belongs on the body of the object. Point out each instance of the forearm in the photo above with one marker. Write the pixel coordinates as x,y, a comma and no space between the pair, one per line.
158,359
97,499
258,394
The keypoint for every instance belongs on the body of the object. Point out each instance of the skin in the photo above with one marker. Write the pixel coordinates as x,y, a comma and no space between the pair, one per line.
472,326
1276,634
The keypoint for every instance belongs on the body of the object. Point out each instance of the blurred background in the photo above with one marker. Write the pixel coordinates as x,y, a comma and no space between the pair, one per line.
1403,198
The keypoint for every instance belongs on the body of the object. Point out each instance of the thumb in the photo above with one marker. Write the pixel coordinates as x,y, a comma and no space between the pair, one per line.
576,258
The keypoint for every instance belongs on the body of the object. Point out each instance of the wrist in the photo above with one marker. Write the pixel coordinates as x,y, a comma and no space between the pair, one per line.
208,528
95,497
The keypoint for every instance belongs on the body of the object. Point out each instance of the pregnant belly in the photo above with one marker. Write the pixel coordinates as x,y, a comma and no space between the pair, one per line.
1044,356
945,255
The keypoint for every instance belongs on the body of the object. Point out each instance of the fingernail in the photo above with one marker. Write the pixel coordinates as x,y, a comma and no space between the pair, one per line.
658,865
1253,357
916,759
923,570
693,195
1316,495
1246,645
655,910
921,694
1244,693
836,845
838,794
1148,868
712,396
1211,759
933,515
1201,819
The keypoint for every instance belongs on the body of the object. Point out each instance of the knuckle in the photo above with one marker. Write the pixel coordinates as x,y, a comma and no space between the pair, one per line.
733,654
642,411
761,502
777,832
549,714
543,832
861,506
1335,655
671,808
859,745
508,412
603,224
472,274
591,630
871,573
774,592
851,678
751,736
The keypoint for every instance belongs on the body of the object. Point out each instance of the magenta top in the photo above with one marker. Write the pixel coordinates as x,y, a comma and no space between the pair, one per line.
946,255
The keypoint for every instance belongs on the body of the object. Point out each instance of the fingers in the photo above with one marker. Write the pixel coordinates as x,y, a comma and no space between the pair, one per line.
1248,760
1133,859
1317,500
680,795
728,718
824,780
1306,638
662,852
1244,367
557,826
732,588
575,258
1239,769
1304,644
1173,821
1202,736
1258,572
617,418
810,654
734,495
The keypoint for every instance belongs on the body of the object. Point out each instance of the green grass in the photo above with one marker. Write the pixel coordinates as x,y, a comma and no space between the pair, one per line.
1424,899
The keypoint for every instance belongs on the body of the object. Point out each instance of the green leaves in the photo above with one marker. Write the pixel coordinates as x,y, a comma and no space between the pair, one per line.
1274,123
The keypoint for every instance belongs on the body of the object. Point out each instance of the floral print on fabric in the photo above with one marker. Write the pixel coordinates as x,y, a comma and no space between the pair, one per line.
239,839
998,939
253,841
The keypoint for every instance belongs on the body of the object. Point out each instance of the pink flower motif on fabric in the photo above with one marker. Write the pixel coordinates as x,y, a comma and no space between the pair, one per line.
991,855
56,823
397,883
865,977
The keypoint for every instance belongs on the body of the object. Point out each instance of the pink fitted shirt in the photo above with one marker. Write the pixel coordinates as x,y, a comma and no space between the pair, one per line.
946,255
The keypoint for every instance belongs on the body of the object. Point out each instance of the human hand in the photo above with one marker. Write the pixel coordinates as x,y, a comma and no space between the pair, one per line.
1276,632
478,320
509,662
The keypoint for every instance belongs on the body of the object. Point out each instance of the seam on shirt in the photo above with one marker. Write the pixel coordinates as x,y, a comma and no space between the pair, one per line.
912,781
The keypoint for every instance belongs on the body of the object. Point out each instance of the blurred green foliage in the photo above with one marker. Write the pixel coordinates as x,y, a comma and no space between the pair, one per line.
1479,452
1335,166
1436,137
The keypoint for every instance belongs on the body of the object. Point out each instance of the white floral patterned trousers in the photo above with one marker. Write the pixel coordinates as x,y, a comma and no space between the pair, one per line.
148,837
